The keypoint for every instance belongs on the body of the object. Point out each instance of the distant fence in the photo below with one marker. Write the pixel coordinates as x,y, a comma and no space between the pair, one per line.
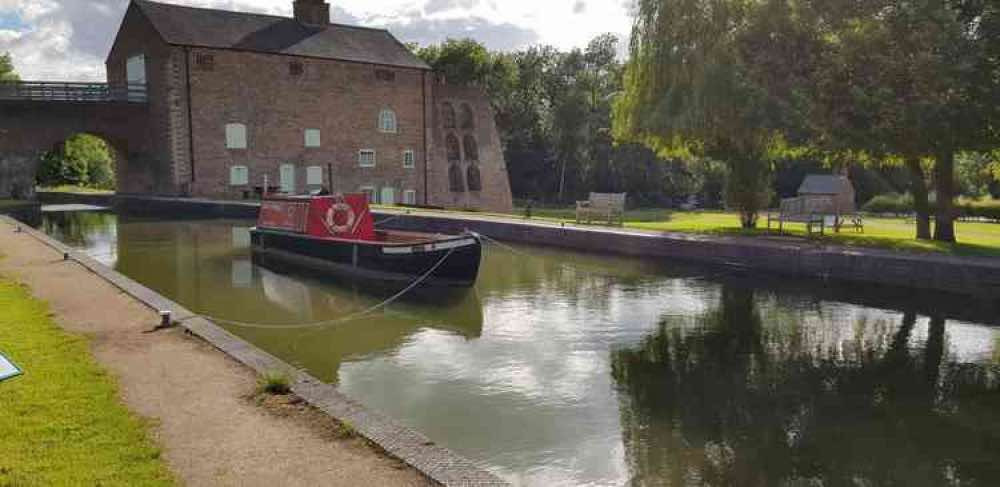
73,92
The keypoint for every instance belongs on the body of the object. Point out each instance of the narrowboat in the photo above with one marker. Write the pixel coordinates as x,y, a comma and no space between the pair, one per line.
336,235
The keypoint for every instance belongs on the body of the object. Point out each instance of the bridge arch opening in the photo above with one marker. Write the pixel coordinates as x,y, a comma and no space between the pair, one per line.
85,160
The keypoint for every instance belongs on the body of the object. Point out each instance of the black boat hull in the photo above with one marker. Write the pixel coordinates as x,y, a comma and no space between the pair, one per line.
456,258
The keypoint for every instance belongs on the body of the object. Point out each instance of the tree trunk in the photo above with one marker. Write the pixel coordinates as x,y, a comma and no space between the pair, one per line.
562,180
918,187
944,180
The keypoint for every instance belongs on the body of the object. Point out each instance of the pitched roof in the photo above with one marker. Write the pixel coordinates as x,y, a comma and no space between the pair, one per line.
825,184
221,29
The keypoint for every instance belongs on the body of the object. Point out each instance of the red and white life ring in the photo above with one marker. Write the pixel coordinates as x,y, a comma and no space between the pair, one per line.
333,213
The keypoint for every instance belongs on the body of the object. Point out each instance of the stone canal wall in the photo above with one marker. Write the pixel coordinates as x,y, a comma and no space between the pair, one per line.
960,275
976,276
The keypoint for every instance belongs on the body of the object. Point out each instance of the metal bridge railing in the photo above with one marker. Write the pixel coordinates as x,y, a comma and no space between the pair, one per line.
71,91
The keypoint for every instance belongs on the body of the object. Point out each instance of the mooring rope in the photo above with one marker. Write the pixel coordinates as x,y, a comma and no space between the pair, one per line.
351,317
573,267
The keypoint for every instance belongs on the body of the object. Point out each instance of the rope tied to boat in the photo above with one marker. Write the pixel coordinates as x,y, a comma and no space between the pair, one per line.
345,319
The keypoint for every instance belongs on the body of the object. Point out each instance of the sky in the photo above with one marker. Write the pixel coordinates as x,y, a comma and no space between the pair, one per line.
67,40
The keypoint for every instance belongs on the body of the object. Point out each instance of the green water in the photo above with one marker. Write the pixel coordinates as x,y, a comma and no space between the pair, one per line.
561,368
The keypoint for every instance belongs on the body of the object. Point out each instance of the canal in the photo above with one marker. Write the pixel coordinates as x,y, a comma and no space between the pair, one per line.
561,368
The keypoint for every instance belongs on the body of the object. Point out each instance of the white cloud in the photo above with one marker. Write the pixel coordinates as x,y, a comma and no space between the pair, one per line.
69,39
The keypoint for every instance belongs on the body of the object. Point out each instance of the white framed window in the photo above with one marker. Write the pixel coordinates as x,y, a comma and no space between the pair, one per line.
409,160
410,197
387,121
366,157
369,191
239,175
135,69
236,136
314,175
387,196
312,137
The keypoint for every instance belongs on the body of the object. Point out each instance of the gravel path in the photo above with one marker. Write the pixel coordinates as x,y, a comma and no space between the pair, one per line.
212,431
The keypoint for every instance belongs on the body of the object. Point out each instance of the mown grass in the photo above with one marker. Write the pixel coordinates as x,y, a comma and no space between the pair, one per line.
7,204
974,238
70,188
61,422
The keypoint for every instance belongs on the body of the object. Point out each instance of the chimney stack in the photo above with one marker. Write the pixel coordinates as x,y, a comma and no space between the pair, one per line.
312,12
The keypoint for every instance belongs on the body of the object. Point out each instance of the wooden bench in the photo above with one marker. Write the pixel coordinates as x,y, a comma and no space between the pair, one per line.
602,206
810,210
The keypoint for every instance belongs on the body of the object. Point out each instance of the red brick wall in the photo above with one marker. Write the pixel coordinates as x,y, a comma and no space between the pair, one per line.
149,164
495,194
342,99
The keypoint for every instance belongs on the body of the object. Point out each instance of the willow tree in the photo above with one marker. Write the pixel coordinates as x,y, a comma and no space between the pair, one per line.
715,78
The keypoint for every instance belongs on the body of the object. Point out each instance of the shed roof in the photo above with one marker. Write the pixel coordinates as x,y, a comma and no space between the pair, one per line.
222,29
826,184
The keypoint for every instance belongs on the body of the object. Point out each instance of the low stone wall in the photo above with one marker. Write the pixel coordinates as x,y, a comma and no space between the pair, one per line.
64,198
959,275
17,174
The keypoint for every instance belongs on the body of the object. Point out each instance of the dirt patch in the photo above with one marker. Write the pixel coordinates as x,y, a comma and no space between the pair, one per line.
213,428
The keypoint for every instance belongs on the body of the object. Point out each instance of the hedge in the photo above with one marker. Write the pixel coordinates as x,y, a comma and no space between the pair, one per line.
902,204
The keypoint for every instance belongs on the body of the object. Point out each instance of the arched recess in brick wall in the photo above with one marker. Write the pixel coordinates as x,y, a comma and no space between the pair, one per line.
468,119
473,177
453,149
471,148
448,115
455,178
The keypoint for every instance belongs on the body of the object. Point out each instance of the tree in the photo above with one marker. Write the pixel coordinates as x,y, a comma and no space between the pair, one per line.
912,82
461,61
82,160
697,84
7,72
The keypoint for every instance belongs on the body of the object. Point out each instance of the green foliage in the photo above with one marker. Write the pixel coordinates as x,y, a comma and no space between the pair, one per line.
988,209
277,383
7,72
62,422
461,61
748,189
891,203
83,160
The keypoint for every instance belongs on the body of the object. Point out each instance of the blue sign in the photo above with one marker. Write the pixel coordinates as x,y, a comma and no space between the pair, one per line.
7,369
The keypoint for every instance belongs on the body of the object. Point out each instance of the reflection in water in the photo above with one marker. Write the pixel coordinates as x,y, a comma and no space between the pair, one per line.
568,369
744,394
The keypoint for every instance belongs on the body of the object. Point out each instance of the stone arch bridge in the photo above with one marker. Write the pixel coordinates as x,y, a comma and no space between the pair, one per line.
36,117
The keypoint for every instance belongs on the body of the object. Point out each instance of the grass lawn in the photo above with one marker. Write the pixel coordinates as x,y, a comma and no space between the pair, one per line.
974,238
69,188
61,422
7,204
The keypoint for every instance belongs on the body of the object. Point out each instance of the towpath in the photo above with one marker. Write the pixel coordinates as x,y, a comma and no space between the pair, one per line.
210,428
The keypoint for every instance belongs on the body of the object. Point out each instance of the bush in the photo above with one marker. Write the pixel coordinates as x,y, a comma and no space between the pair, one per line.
890,203
987,209
901,204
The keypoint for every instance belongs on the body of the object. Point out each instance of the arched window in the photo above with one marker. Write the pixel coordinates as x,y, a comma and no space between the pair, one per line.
468,119
448,115
387,121
472,174
453,149
471,149
455,178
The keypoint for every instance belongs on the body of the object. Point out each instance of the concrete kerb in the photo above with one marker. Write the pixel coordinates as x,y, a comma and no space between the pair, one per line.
437,463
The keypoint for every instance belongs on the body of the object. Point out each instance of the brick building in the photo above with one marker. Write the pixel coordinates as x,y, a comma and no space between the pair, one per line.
235,99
